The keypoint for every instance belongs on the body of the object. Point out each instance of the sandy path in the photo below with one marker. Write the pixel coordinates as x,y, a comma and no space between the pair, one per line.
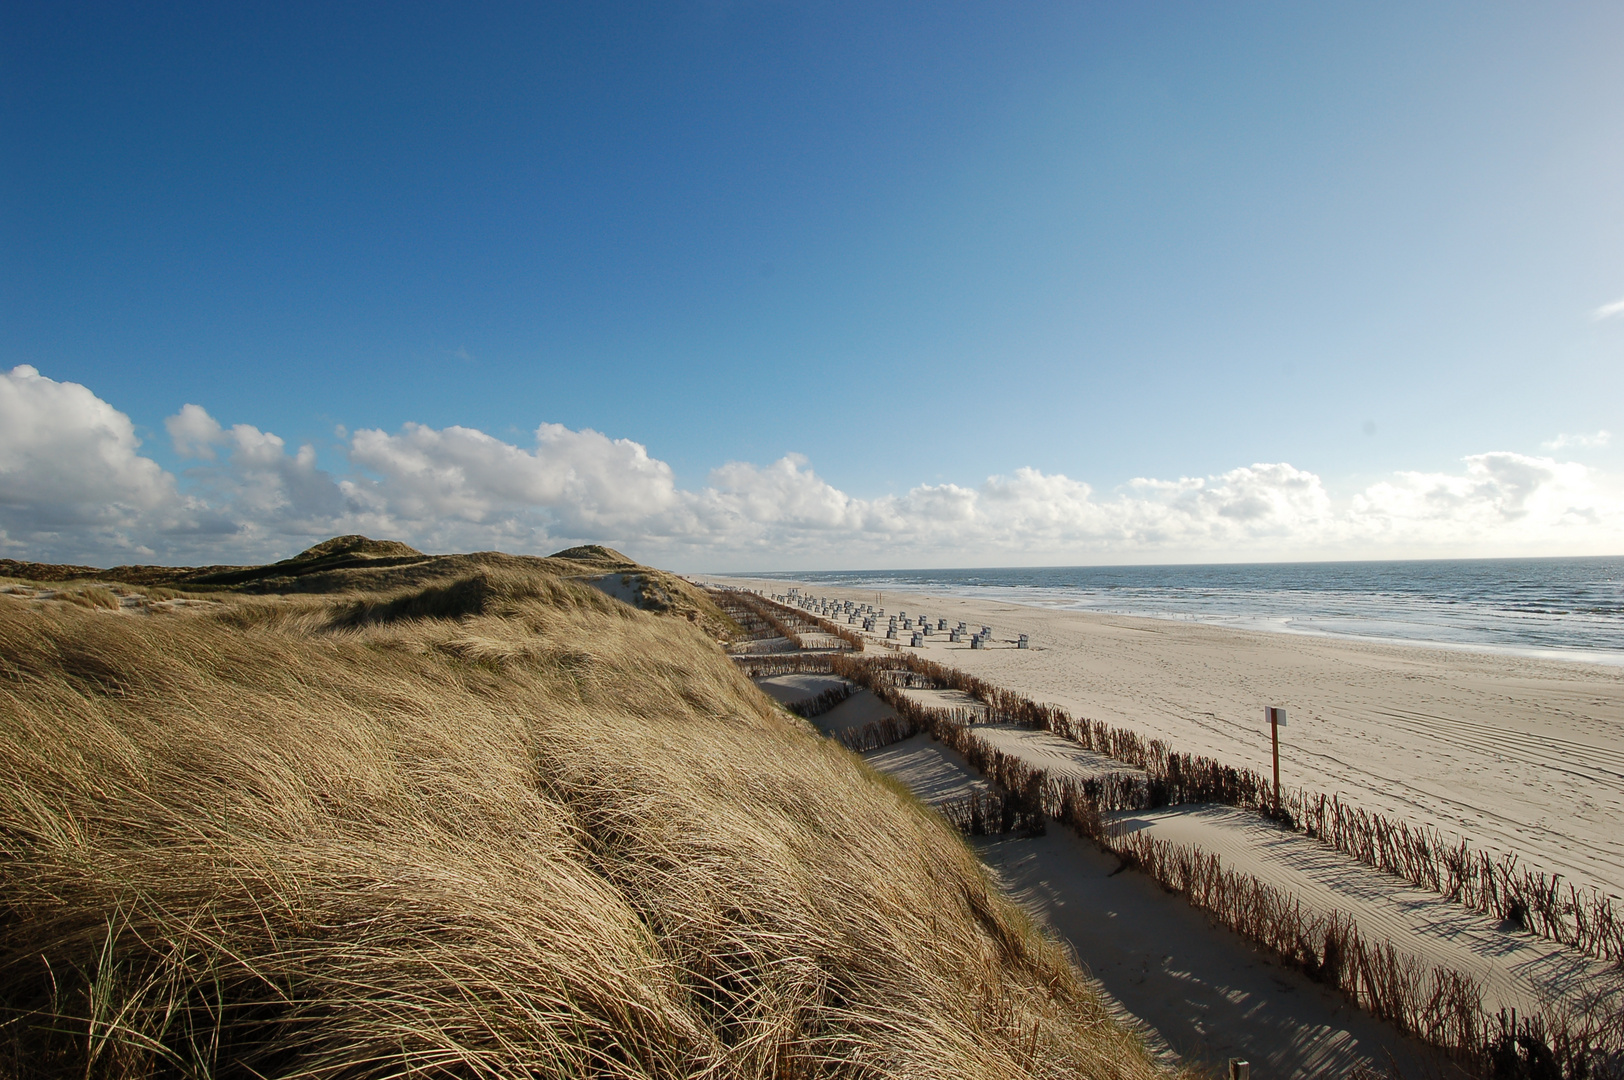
859,709
1202,989
948,699
1517,754
931,771
798,687
1060,758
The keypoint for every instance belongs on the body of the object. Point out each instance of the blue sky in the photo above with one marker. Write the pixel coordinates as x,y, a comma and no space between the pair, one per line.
927,249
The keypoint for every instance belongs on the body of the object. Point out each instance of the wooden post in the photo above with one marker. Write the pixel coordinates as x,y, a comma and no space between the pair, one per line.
1276,718
1240,1070
1274,737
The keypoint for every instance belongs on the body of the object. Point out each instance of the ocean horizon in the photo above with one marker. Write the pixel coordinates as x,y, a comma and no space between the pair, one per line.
1561,608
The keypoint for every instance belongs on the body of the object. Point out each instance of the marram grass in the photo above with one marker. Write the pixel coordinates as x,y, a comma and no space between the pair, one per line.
488,829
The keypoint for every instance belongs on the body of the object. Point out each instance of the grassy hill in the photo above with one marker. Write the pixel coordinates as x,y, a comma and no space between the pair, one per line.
367,812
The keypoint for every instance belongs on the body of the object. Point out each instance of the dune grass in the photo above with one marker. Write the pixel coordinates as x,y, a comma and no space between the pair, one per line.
488,825
90,596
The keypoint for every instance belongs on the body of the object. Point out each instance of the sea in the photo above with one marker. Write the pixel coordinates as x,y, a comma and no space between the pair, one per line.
1568,608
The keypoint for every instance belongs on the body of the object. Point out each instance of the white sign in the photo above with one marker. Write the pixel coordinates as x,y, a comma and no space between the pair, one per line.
1274,715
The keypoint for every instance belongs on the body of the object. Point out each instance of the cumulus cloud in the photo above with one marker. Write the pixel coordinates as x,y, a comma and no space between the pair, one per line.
1502,495
73,483
588,480
193,432
1562,442
69,454
72,478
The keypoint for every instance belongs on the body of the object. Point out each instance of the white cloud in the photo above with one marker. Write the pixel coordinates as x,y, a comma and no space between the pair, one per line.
72,479
588,480
67,452
1511,500
1608,311
1562,442
73,484
258,473
193,432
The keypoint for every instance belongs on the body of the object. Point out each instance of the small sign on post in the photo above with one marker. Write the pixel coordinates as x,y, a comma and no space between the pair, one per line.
1277,720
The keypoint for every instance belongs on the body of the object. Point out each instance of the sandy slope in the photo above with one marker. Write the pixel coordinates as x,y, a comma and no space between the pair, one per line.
790,688
1060,758
1517,754
1207,993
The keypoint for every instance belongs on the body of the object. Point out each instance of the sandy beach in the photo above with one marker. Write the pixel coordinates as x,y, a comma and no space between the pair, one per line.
1517,754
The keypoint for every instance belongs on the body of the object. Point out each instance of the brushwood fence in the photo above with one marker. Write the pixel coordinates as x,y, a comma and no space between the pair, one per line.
752,627
795,663
1442,1007
875,734
991,813
818,704
751,609
1585,919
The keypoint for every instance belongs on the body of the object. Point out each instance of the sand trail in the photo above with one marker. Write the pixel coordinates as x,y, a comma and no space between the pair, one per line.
1060,758
1203,990
799,687
859,709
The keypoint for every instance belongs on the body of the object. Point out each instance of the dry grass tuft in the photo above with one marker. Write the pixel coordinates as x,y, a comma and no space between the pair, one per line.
483,592
90,596
497,825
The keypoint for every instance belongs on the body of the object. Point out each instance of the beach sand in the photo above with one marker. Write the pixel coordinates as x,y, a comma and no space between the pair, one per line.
1517,754
1201,990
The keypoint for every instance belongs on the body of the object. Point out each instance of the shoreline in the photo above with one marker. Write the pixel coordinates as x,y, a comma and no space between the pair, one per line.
1258,623
1266,625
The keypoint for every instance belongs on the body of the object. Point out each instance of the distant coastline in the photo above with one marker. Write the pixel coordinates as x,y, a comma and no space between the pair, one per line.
1553,608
